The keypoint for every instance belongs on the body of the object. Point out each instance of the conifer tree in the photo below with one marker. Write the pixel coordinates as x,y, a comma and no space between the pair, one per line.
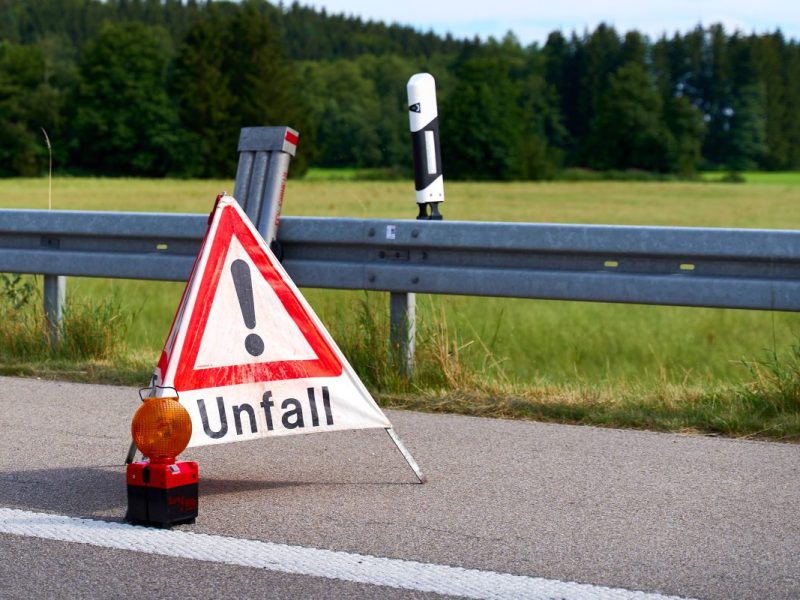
125,123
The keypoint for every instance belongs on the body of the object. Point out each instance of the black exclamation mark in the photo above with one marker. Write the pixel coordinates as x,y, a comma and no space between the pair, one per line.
240,271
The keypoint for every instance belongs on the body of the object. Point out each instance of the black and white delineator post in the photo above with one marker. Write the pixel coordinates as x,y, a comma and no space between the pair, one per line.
423,117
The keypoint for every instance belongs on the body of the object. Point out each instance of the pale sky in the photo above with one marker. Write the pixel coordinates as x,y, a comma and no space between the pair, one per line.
532,21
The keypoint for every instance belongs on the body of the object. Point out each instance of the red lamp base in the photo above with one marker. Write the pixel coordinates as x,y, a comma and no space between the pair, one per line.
162,495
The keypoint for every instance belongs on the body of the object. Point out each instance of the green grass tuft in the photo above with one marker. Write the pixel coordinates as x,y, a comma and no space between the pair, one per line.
91,330
442,360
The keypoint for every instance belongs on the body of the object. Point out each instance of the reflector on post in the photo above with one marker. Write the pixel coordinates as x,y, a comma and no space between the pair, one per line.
423,116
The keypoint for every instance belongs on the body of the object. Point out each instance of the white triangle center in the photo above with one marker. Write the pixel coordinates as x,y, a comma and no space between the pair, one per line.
229,340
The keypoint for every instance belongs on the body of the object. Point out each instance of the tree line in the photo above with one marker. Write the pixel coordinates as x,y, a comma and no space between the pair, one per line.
162,87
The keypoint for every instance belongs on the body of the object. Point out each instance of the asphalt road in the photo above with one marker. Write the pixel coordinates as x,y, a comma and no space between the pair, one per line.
681,515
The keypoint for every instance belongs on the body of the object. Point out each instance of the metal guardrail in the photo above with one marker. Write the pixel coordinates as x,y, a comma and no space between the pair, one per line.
729,268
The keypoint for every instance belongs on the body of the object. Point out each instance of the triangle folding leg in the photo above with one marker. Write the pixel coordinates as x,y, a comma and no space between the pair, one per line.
407,455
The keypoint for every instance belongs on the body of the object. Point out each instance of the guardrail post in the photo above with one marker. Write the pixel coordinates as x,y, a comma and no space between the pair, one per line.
55,294
402,329
264,157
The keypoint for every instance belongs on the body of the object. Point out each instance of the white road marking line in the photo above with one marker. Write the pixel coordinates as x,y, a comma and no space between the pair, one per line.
403,574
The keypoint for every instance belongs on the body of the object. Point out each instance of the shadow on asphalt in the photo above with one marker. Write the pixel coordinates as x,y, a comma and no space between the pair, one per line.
96,491
84,491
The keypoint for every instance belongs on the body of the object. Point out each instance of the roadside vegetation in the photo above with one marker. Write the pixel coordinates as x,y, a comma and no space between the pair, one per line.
724,372
615,126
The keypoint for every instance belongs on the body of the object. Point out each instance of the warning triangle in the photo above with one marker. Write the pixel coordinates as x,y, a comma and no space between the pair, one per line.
239,277
246,353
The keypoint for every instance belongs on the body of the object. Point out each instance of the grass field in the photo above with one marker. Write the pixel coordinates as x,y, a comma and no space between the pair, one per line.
579,353
782,178
770,204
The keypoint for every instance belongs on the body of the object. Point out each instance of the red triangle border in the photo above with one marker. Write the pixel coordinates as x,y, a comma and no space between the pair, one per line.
327,364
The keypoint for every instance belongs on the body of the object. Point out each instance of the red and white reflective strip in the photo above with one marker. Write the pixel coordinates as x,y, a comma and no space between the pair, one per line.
290,141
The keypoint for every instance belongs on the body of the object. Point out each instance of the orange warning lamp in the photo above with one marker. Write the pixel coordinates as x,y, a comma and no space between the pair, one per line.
161,490
161,429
